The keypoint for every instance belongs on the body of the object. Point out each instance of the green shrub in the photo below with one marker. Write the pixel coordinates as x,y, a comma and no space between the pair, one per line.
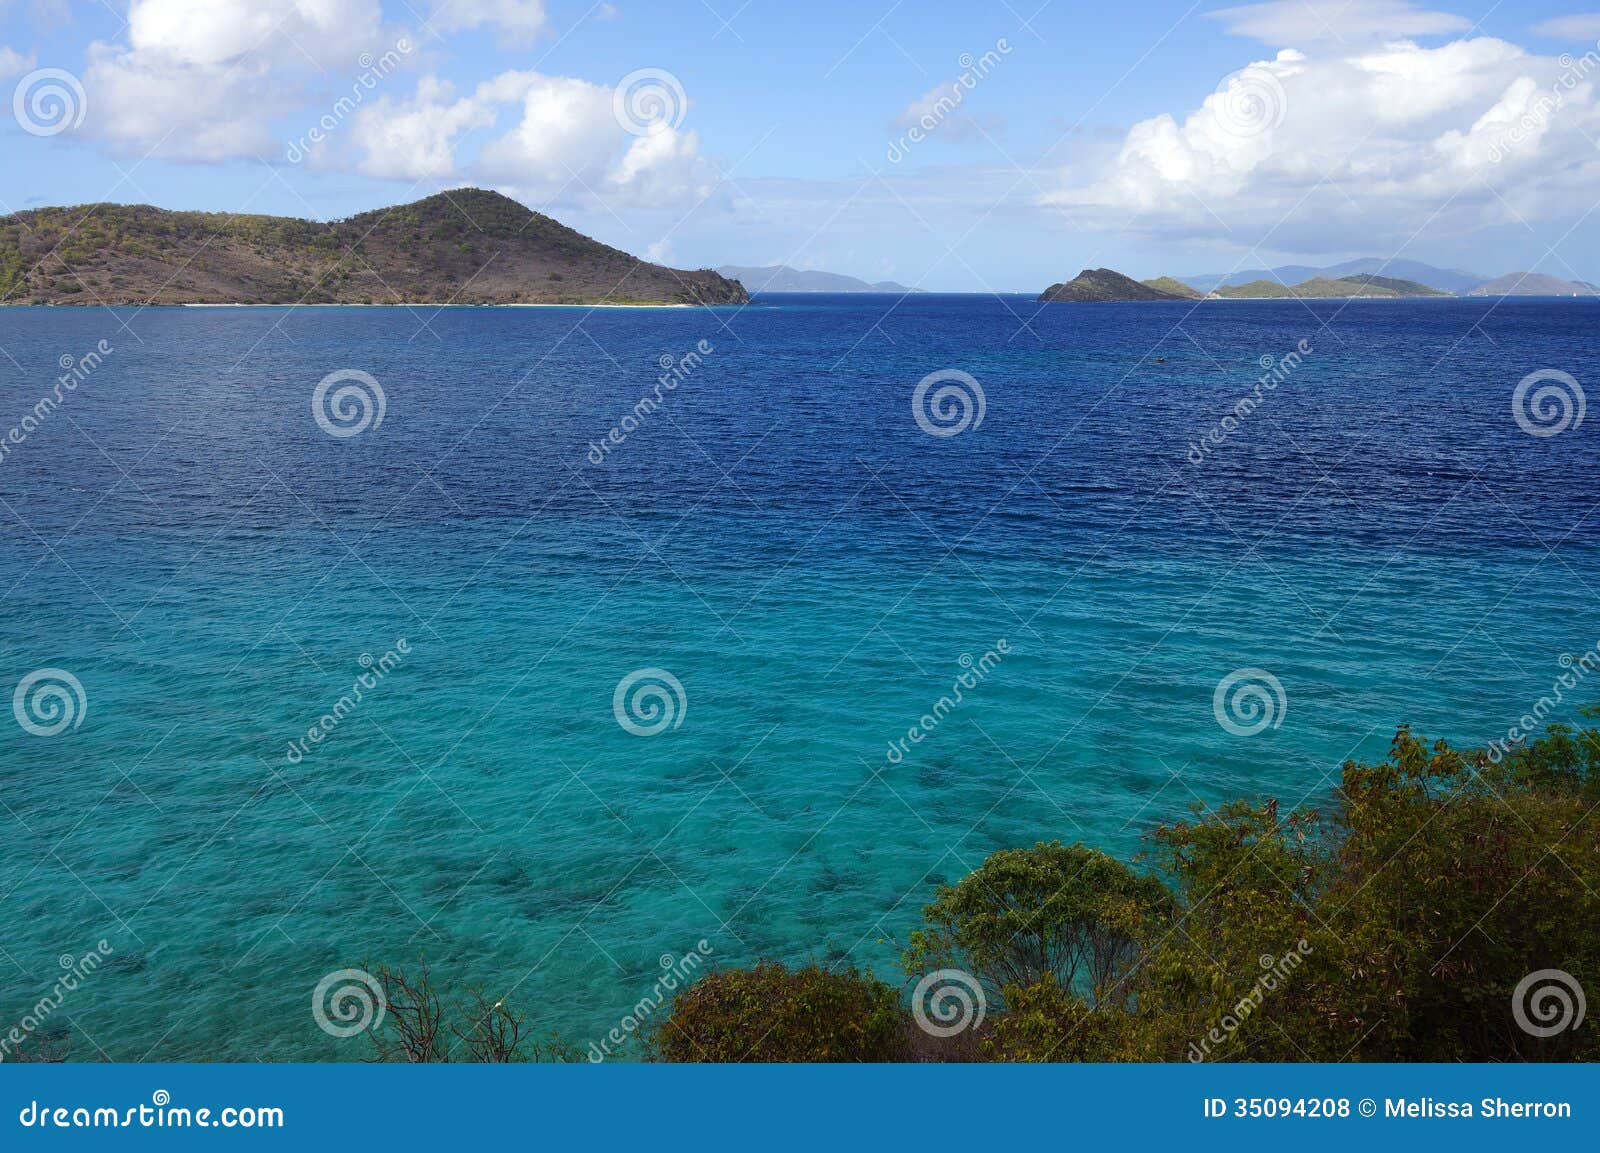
771,1013
1066,912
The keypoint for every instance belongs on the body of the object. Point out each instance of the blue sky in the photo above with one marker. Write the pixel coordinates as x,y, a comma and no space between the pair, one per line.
959,146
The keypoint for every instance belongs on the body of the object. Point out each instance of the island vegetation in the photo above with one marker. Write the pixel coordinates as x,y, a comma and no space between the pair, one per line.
467,246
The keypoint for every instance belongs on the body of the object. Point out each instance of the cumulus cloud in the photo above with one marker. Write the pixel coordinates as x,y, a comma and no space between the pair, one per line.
1303,22
203,79
561,140
212,80
1326,149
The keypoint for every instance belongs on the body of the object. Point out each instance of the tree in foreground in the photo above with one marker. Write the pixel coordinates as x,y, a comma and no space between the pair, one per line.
772,1013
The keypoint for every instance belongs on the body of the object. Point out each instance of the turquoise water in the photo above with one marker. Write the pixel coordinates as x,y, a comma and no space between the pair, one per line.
782,538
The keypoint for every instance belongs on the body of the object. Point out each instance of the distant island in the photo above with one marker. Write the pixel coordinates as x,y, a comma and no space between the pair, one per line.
1534,284
1104,285
1449,280
1321,287
782,278
466,246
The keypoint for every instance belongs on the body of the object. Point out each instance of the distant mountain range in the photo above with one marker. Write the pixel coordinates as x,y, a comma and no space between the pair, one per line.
782,278
1451,281
466,246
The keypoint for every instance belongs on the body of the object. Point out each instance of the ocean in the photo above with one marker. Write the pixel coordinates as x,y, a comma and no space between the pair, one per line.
612,636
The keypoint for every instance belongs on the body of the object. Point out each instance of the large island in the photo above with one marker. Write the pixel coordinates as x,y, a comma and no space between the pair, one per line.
466,246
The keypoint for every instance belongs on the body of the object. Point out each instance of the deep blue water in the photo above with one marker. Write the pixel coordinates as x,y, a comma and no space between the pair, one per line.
783,538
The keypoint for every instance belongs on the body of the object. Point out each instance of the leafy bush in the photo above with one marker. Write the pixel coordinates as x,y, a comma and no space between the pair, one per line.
1065,912
771,1013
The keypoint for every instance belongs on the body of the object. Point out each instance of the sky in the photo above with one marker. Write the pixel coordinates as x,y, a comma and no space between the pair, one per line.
998,146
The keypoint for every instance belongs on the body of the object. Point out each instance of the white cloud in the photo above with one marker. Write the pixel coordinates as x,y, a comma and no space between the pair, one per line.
204,79
13,63
937,109
217,32
1585,26
1338,151
563,144
1297,23
415,139
523,19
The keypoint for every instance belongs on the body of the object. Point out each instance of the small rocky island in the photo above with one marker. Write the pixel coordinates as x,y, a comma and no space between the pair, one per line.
466,246
1096,285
